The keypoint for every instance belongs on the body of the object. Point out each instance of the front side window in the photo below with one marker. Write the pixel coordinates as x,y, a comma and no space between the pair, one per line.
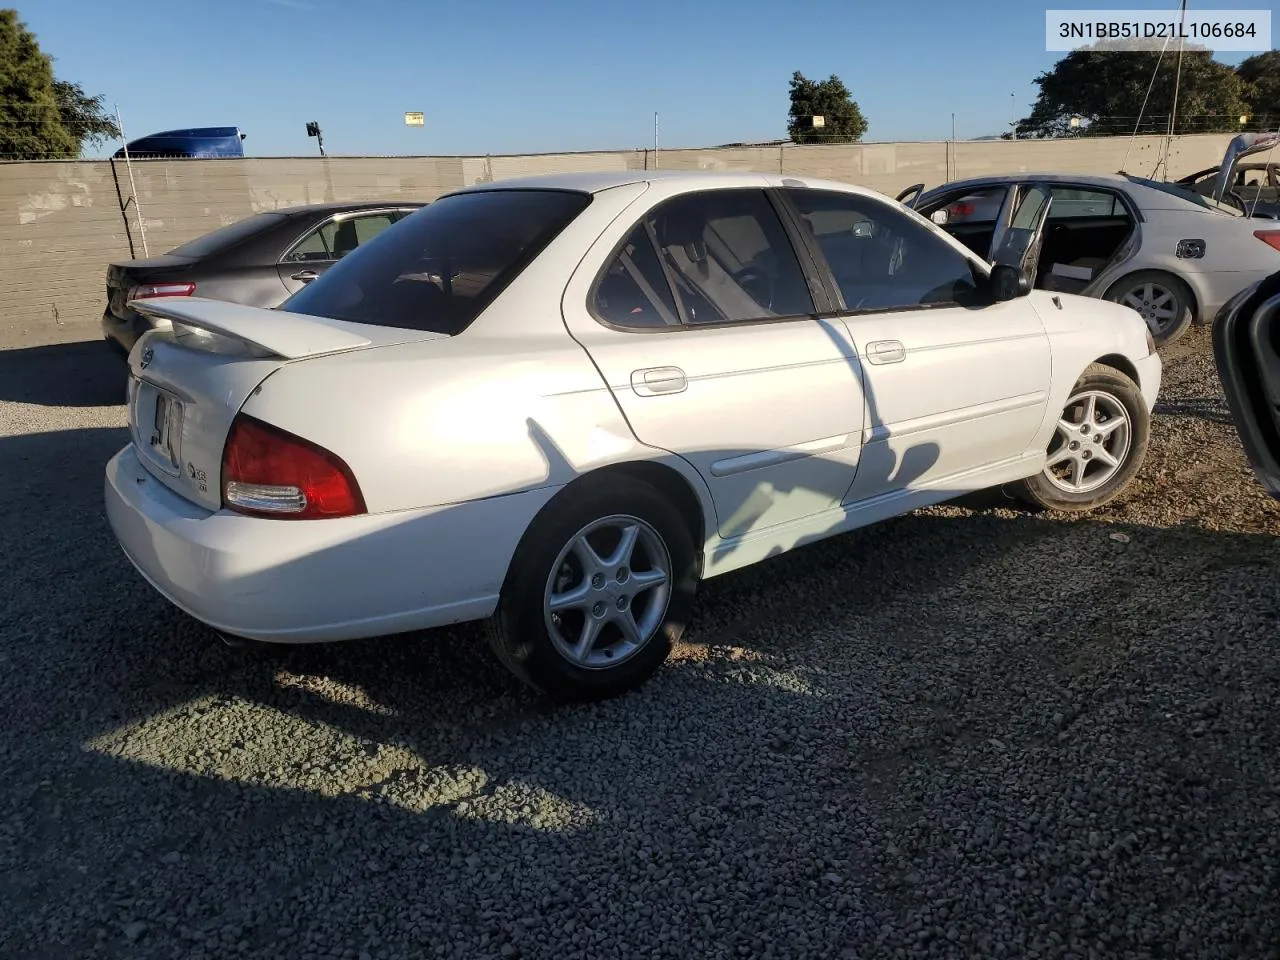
442,265
882,259
729,257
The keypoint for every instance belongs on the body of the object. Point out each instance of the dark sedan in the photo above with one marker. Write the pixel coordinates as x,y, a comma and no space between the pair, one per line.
261,260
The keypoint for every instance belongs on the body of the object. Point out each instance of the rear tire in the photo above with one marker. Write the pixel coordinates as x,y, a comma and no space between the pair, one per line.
1109,425
1161,299
598,591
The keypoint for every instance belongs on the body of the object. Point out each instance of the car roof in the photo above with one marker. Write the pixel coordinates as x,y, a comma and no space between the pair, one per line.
1147,196
343,206
1095,179
595,181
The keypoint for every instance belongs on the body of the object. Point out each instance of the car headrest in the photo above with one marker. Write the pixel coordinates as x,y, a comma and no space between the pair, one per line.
678,230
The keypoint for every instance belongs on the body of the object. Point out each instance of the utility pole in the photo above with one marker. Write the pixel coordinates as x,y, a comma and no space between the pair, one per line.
953,126
1013,114
655,139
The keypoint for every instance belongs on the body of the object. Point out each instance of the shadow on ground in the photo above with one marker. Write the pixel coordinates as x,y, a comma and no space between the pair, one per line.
936,717
87,374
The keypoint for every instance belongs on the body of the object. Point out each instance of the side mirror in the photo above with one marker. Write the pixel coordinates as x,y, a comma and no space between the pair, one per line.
1008,283
939,217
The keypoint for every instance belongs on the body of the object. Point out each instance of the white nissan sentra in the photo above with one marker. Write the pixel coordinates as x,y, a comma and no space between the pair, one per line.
555,404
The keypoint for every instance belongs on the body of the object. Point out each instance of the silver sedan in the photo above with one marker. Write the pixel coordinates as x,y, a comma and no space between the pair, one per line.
1168,253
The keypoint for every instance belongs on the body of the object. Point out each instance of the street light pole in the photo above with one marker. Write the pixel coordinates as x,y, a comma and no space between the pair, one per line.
1013,115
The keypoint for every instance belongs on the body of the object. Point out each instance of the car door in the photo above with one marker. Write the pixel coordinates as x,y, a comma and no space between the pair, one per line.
1245,337
702,321
1018,242
955,384
324,244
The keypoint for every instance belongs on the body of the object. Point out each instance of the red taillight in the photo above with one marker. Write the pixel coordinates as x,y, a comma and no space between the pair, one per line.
147,291
1270,237
267,472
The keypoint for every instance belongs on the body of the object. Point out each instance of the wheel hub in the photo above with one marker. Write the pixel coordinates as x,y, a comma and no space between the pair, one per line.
1092,442
610,593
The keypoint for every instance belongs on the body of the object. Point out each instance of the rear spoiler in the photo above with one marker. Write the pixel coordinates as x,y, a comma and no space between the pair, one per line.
275,333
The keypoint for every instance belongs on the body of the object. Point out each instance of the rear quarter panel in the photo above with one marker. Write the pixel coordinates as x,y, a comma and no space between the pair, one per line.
428,424
1233,258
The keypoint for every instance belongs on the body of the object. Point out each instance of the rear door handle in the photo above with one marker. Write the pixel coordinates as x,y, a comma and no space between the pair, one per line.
656,381
306,276
886,351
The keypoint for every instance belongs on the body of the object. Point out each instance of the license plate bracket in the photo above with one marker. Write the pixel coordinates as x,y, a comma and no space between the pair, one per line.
157,416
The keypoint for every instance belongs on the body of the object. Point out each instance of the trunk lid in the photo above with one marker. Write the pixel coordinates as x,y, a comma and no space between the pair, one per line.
1244,145
189,378
123,276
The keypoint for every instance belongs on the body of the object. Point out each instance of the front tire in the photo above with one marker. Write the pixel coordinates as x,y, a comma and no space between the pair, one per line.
599,590
1161,299
1098,447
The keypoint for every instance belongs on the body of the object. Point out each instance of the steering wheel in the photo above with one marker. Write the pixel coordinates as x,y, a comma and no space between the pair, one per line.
757,283
1238,202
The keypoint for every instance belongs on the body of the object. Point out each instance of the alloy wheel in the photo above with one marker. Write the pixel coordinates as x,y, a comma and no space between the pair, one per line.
608,592
1091,443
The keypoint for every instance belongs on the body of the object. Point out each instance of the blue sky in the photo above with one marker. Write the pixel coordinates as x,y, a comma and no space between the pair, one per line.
521,77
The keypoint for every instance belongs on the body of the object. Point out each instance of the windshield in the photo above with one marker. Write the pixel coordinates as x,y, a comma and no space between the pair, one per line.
1185,192
227,236
437,269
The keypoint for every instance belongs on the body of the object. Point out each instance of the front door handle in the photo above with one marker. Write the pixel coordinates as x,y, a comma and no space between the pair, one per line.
656,381
306,276
886,351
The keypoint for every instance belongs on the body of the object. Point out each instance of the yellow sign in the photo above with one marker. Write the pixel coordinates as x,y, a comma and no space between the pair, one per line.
413,119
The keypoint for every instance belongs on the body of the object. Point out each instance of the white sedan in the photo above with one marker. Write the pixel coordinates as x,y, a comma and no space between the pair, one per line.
557,403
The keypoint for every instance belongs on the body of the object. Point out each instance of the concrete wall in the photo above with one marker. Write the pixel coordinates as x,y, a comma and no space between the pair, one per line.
61,222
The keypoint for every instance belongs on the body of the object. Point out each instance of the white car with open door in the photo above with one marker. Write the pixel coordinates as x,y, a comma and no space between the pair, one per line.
1159,248
557,403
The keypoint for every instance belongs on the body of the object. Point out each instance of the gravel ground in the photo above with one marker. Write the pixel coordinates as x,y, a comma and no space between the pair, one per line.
967,732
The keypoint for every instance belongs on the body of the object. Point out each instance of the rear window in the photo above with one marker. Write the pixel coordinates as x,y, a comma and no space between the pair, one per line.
438,268
1184,192
227,236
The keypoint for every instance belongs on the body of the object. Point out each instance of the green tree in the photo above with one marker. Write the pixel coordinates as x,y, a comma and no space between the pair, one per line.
83,116
1261,76
830,99
30,121
1105,86
42,118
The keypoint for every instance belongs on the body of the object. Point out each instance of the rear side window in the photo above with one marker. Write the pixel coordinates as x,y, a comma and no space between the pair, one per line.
228,236
442,265
1077,202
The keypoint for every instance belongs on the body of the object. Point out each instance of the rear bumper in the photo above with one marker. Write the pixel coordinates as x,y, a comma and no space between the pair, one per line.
305,581
1150,371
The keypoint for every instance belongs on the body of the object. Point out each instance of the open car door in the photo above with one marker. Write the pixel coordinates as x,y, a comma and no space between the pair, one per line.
1246,347
1019,232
